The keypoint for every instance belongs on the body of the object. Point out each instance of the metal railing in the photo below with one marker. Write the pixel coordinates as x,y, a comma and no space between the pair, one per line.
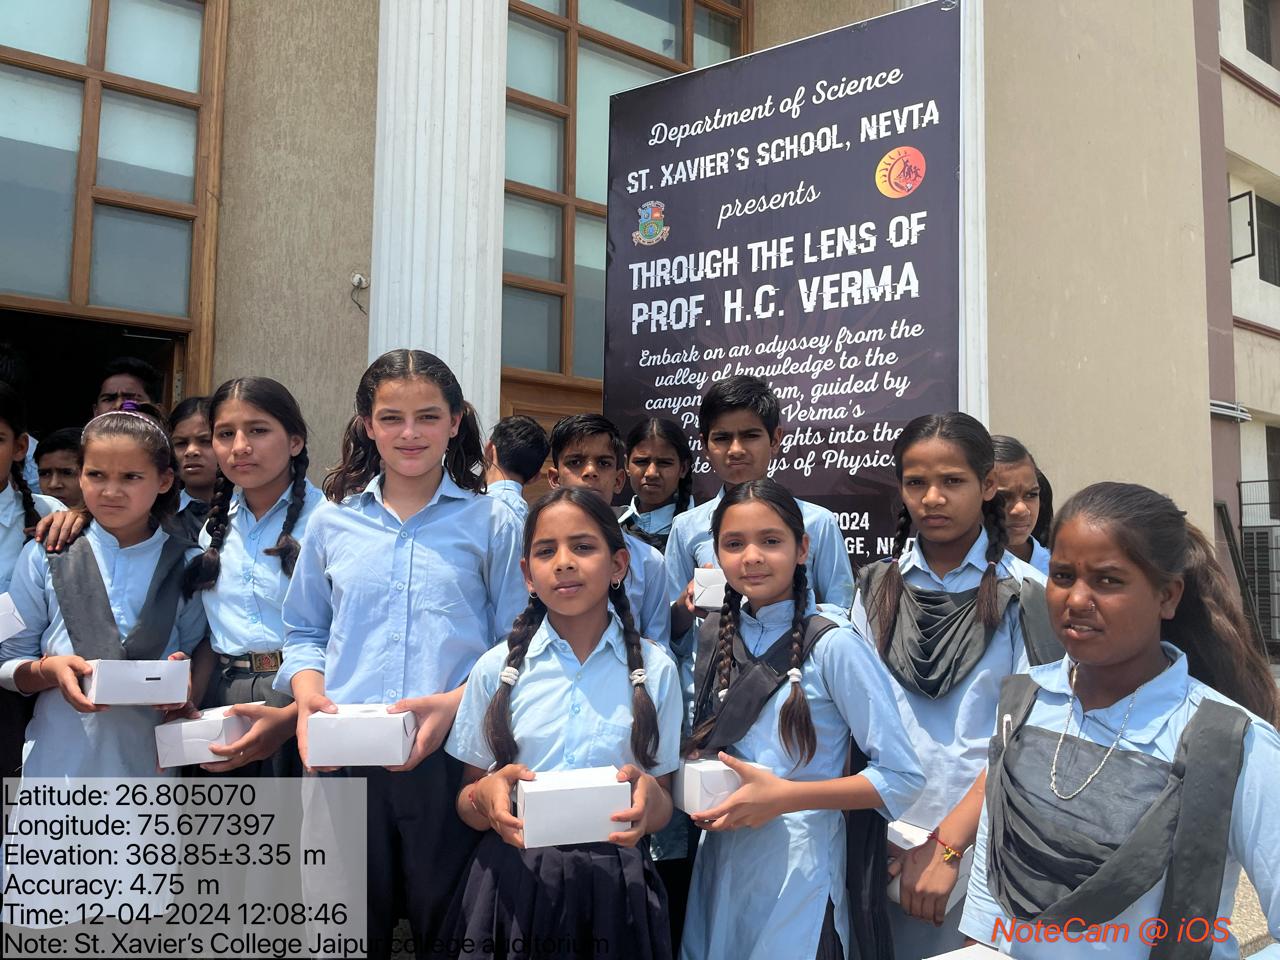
1260,553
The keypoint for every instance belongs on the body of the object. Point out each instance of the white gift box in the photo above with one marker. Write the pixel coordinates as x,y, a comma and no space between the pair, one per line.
571,806
137,682
180,743
975,951
708,588
10,621
702,784
360,735
907,836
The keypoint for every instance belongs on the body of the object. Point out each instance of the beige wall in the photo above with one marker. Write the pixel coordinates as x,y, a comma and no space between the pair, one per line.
297,203
779,21
1258,372
1095,247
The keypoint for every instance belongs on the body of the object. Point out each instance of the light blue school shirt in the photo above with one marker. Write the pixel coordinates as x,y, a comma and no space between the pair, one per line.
31,472
951,733
512,494
646,585
387,609
690,546
1040,556
762,893
656,522
120,741
1162,708
13,530
245,606
566,714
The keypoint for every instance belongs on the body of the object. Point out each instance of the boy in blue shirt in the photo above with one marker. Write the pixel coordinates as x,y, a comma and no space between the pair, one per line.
513,457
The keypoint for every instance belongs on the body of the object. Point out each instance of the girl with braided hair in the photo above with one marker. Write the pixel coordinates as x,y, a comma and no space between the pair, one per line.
259,511
574,686
192,437
660,468
784,688
20,509
944,612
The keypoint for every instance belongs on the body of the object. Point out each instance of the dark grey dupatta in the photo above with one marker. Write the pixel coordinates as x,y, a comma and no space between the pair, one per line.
1093,856
86,609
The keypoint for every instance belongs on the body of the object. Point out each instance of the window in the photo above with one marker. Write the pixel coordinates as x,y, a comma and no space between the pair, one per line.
108,161
1268,215
1273,471
565,58
1259,22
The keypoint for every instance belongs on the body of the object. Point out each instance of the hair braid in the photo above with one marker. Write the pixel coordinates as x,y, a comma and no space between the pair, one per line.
644,715
795,724
202,572
30,515
883,612
287,547
723,665
497,718
997,540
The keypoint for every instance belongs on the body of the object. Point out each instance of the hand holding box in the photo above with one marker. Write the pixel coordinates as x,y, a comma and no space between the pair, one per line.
571,806
180,743
702,784
908,836
137,682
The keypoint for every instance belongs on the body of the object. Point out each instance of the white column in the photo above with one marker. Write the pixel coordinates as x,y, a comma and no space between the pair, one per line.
974,395
437,189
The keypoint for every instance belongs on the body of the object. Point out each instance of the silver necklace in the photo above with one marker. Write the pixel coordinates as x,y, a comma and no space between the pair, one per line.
1053,769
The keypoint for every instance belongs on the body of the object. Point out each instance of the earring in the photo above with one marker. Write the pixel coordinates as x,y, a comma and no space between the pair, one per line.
615,584
532,596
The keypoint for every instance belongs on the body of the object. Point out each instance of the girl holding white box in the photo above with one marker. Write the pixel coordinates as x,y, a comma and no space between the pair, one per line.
115,594
949,613
1130,782
787,689
574,687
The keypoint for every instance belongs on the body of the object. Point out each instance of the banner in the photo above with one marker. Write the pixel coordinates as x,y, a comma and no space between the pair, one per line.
794,214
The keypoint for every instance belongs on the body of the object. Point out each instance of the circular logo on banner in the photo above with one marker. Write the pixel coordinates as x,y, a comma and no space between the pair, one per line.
900,171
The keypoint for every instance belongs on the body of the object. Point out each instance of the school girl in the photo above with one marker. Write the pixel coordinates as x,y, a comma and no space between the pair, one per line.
660,468
944,612
574,686
115,593
401,584
784,688
1027,509
192,438
19,510
1132,780
259,511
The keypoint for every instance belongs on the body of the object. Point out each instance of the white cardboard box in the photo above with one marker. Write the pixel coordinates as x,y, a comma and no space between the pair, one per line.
360,735
571,806
180,743
708,588
137,682
702,784
975,951
907,836
10,620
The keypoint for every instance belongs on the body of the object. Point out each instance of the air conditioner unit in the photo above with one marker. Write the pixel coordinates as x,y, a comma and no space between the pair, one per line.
1261,549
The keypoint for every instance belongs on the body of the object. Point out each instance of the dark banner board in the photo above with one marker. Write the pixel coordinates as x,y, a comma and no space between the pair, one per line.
795,214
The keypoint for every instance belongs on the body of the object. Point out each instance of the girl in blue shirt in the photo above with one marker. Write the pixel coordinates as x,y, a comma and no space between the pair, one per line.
402,583
114,594
1028,501
944,613
786,689
575,686
1131,781
660,468
258,512
192,437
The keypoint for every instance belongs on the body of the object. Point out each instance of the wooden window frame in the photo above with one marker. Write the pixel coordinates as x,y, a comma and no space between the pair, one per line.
193,353
566,199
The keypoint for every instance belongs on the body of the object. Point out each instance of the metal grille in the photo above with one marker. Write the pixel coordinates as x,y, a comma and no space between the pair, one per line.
1260,546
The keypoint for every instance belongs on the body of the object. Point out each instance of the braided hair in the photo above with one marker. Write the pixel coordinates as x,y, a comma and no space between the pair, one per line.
795,723
644,715
669,432
272,398
973,440
13,412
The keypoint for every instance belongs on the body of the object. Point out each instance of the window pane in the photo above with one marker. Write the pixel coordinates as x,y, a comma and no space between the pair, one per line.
1268,241
56,28
1257,28
530,330
531,239
156,40
715,38
39,141
555,6
535,59
588,297
655,24
535,148
147,147
140,261
602,73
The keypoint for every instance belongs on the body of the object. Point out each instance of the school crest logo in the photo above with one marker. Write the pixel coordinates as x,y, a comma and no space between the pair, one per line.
900,171
653,225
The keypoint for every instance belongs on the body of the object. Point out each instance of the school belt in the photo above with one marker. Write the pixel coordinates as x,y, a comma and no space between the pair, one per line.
257,662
